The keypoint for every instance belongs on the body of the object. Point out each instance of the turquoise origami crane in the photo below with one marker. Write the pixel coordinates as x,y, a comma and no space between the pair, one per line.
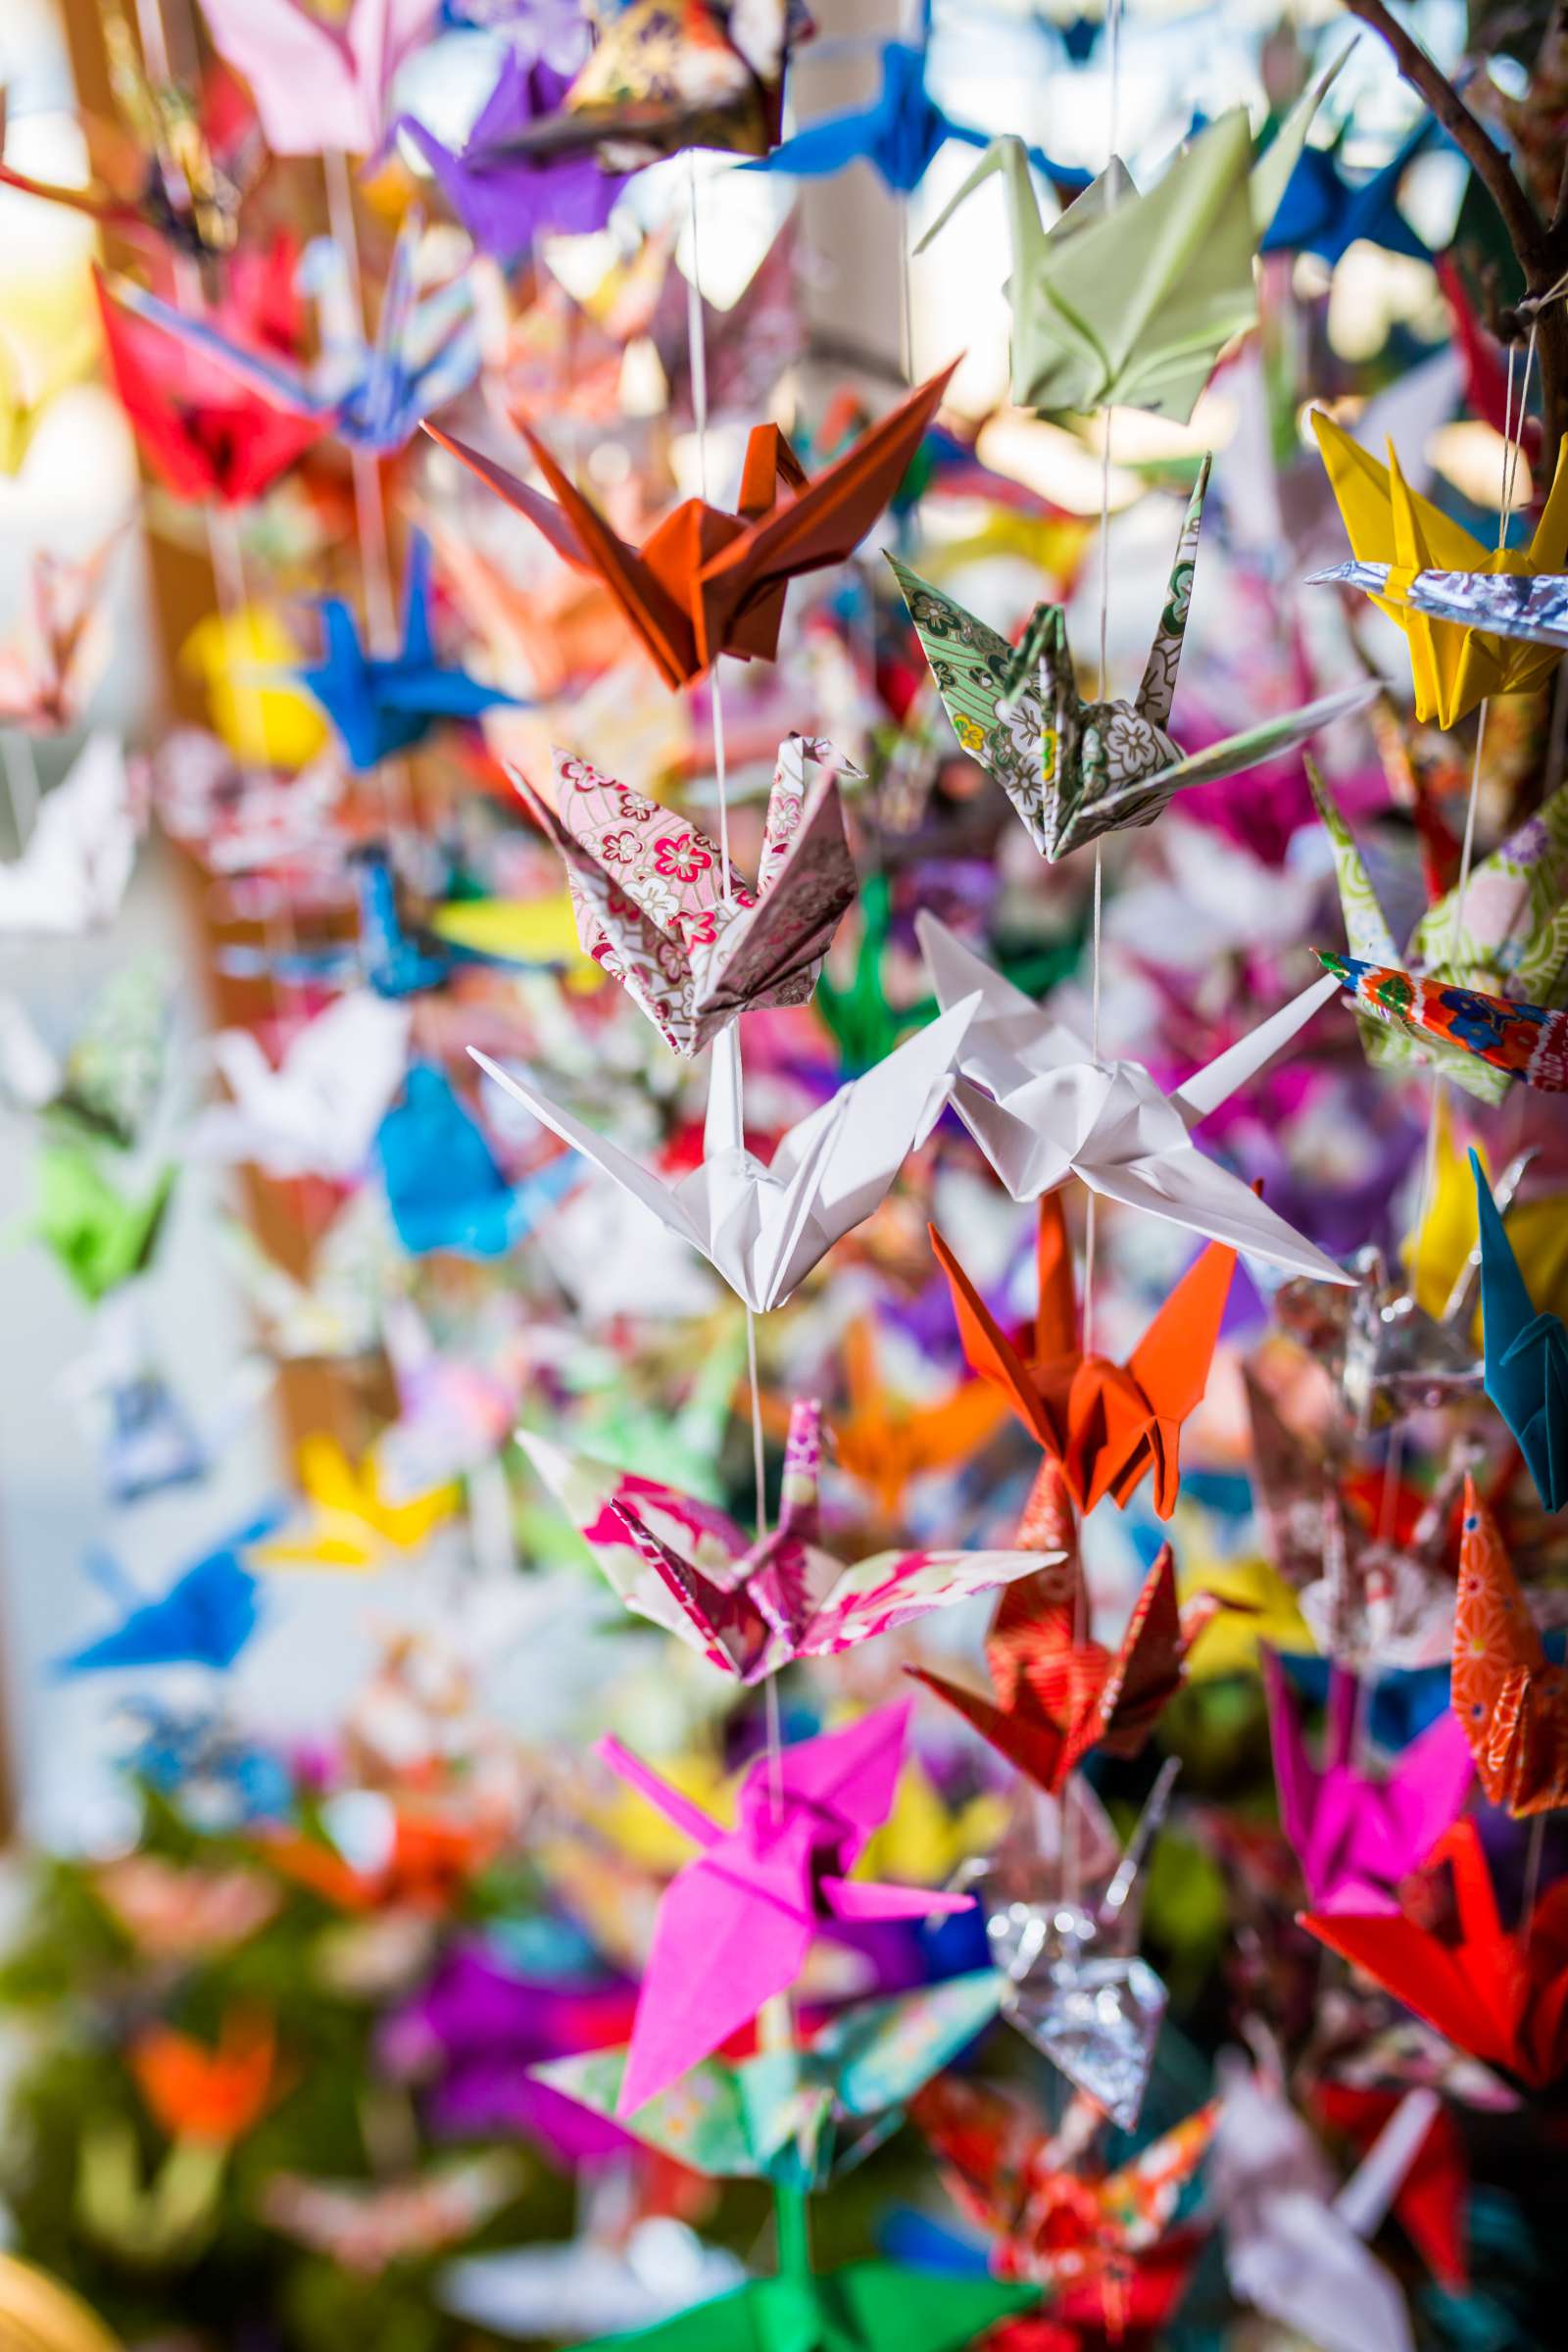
1525,1372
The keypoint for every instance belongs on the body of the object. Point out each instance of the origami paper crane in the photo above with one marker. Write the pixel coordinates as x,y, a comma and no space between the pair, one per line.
354,1523
693,946
1432,2201
76,862
108,1084
185,1912
863,2307
751,1609
96,1237
1052,2216
55,661
1356,1834
205,1618
393,956
899,134
136,2212
1042,1109
215,2095
371,394
782,2115
382,704
1131,296
1500,1993
670,73
1523,1040
363,2227
321,88
764,1227
1293,2245
1396,534
152,165
335,1312
1106,1426
1526,1373
706,582
1510,1701
505,199
884,1443
1324,211
1505,938
735,1924
1058,1692
317,1112
444,1184
1526,610
204,433
1075,769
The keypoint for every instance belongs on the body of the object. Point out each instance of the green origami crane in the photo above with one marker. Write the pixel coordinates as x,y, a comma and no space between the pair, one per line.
781,2116
1074,769
98,1238
1129,298
867,2307
1513,939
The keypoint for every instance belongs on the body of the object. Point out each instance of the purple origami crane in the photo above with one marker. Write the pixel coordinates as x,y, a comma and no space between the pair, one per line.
735,1924
1356,1833
503,197
474,2033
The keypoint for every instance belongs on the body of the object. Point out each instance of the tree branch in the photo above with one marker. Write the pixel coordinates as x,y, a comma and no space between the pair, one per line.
1469,133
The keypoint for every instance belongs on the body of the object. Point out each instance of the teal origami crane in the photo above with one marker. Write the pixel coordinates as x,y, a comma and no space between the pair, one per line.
786,2115
1525,1372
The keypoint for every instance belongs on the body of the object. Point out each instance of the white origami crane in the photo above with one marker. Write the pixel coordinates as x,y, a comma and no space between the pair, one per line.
764,1227
316,1114
1042,1109
1293,2250
73,871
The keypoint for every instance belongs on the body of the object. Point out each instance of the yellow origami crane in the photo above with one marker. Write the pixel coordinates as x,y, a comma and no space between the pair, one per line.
1454,668
354,1525
1441,1249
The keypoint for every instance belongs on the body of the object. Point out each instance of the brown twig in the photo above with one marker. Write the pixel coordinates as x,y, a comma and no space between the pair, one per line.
1468,132
1539,245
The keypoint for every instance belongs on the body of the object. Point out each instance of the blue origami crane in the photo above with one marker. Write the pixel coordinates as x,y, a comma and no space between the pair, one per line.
373,395
205,1618
444,1185
1526,1369
505,198
385,704
898,134
1324,213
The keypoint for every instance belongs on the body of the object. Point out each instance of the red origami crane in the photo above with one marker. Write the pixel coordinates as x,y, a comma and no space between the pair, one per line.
1499,1994
1512,1701
1055,2215
204,431
1432,2198
1057,1691
1108,1425
706,582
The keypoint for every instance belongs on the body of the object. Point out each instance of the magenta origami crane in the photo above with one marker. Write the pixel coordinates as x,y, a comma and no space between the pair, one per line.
1357,1834
752,1606
735,1924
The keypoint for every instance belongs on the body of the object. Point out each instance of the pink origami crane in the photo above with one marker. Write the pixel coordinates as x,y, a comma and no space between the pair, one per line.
735,1924
321,88
1357,1835
750,1607
649,894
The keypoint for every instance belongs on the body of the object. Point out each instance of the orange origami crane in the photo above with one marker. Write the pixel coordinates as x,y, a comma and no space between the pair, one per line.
1059,1692
1106,1424
217,2096
883,1442
433,1856
1499,1994
1512,1701
706,582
